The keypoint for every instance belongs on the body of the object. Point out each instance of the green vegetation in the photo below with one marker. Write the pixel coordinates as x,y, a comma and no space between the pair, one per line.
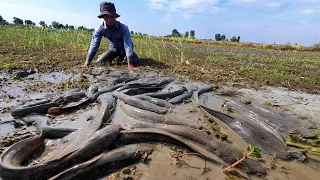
246,102
252,152
256,152
223,37
3,21
176,34
48,49
295,139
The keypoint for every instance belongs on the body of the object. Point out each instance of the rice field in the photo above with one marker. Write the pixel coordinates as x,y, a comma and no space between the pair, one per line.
290,66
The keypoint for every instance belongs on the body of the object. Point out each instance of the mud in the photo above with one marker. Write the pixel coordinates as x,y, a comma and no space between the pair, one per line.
305,107
300,109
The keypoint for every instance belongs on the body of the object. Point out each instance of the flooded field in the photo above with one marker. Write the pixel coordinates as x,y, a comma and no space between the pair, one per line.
178,132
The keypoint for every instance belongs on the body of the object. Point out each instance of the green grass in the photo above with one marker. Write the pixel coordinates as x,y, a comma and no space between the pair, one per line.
208,61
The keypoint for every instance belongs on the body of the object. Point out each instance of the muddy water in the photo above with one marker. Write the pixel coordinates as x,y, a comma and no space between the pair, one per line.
306,107
5,129
162,164
55,77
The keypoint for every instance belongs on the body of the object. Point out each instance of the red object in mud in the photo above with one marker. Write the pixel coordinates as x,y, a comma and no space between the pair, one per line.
54,110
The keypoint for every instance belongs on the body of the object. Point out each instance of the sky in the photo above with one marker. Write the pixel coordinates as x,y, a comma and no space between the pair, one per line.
258,21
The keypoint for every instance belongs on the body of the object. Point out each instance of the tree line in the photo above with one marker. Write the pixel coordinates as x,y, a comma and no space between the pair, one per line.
175,33
187,34
57,25
223,37
54,24
138,33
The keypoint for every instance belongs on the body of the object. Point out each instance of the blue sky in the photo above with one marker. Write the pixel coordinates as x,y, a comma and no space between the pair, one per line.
260,21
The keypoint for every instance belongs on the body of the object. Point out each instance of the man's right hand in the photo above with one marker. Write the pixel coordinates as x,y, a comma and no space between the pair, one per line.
130,64
85,65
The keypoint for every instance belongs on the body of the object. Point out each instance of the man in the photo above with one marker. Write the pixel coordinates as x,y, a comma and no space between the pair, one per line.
118,34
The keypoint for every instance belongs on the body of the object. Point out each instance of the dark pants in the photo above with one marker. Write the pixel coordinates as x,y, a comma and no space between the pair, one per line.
110,55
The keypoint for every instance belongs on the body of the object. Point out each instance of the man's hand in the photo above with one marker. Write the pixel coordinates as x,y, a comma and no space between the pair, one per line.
85,65
131,67
130,64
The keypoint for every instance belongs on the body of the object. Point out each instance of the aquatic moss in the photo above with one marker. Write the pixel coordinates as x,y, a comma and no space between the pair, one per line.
184,89
246,102
216,128
310,149
295,136
81,83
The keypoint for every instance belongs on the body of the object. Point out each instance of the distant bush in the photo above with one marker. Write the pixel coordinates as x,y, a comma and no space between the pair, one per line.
267,46
287,47
316,47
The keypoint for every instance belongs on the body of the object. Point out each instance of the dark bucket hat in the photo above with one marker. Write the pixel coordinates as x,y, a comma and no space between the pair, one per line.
108,8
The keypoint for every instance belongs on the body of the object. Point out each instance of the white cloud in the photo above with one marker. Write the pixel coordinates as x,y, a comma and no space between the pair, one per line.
241,1
307,11
185,8
274,5
156,4
308,1
195,5
179,5
37,14
167,18
186,16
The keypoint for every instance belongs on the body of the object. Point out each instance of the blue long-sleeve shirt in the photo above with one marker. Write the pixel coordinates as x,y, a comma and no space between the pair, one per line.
119,37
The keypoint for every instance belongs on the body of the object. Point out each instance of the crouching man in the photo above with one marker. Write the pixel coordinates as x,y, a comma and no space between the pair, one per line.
118,34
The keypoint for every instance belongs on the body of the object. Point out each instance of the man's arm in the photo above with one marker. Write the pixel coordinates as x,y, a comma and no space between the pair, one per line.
128,44
95,43
111,46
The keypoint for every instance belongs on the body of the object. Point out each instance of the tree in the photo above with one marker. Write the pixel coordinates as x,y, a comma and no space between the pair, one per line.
223,37
43,24
3,22
60,26
238,39
218,37
66,26
233,39
82,28
131,32
186,35
71,27
175,33
55,24
192,34
17,21
29,23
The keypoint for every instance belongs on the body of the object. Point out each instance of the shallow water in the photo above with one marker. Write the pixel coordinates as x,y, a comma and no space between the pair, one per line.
5,129
55,77
302,105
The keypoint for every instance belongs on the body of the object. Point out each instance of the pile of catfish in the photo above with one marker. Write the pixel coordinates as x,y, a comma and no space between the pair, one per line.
107,145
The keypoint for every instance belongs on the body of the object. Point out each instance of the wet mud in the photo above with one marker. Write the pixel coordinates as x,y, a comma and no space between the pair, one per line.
277,111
